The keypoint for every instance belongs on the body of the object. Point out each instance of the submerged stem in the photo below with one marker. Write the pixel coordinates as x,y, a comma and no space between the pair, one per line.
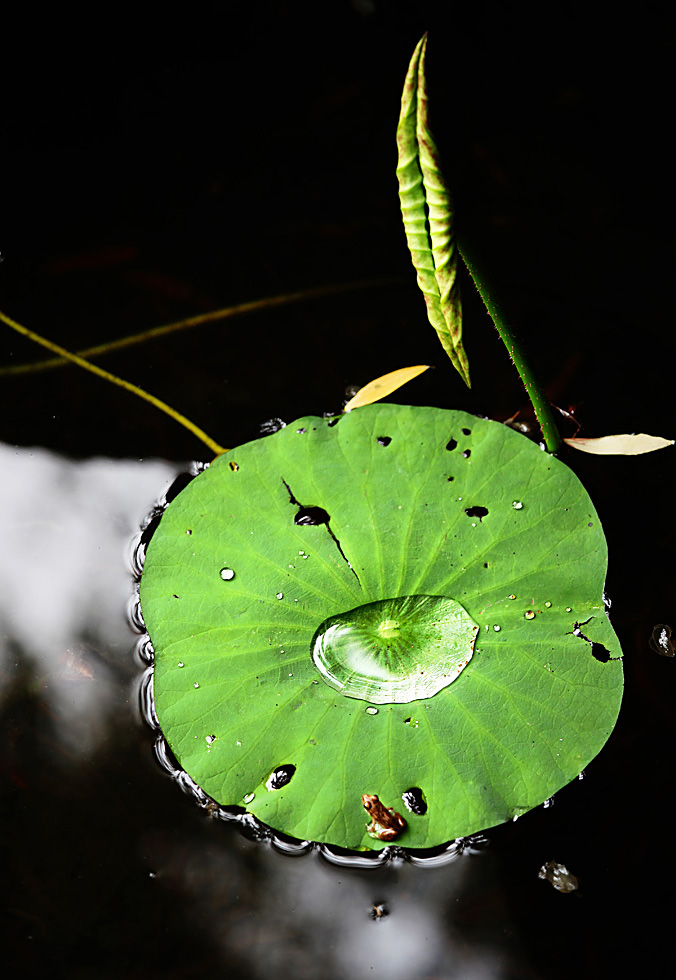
114,379
539,400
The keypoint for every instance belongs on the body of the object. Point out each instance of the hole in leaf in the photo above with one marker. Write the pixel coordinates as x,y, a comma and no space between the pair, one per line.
311,515
467,432
384,440
415,801
467,453
333,422
450,479
451,444
281,776
600,653
479,512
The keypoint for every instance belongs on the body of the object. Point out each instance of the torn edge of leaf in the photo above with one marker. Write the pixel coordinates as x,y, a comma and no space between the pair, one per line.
628,444
384,385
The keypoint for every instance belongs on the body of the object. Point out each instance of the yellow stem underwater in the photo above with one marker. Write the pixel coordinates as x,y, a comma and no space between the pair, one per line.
114,379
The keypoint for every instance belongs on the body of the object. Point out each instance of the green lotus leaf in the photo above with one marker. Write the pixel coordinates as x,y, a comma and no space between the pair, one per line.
298,589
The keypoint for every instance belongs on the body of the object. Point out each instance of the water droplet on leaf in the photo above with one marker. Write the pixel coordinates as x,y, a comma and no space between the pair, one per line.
227,574
517,505
529,614
395,650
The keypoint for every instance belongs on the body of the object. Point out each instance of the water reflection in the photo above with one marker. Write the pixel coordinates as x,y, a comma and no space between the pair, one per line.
106,854
65,582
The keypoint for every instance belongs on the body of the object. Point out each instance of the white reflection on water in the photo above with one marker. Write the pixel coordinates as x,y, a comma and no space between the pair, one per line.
65,583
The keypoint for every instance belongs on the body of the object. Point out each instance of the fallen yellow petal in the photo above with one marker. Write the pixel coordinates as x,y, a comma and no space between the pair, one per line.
633,444
385,385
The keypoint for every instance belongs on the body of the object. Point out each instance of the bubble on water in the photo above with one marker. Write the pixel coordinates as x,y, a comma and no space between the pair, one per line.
227,574
517,505
660,640
559,876
529,614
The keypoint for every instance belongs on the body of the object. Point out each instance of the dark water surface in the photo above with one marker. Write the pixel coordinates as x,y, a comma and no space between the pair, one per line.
175,168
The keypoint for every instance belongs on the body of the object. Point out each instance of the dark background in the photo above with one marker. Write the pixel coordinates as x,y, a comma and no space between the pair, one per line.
158,165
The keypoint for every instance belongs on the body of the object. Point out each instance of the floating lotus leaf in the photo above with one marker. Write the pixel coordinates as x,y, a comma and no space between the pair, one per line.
301,589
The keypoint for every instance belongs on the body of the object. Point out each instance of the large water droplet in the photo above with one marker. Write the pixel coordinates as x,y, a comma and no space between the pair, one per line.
395,650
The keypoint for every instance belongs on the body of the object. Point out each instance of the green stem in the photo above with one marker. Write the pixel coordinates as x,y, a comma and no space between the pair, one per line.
537,396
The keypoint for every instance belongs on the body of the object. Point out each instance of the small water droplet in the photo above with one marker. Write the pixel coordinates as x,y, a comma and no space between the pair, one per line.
210,739
371,711
249,797
497,628
181,664
189,531
227,574
568,609
512,596
196,685
548,605
529,614
280,595
517,505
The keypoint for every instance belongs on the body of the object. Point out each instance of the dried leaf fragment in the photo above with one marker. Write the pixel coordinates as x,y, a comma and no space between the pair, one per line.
384,385
629,444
